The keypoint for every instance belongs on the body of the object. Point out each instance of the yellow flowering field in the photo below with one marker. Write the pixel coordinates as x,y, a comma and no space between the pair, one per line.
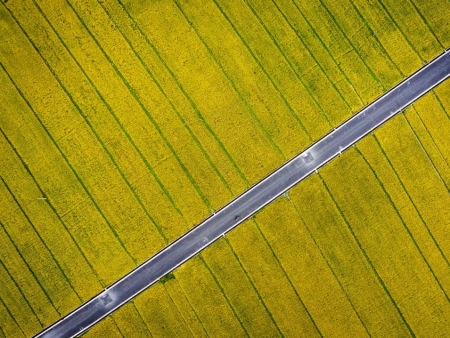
307,269
125,123
391,251
333,238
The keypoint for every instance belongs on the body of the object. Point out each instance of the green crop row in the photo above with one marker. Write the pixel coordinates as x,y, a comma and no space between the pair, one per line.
124,124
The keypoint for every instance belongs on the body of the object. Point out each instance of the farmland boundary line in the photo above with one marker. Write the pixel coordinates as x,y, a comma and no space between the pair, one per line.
254,287
414,205
141,105
179,310
66,278
391,202
8,311
117,120
186,95
322,254
2,226
255,198
64,156
325,47
426,22
264,70
387,55
70,167
409,124
312,56
427,152
264,132
366,256
269,139
190,306
172,105
39,320
51,301
232,84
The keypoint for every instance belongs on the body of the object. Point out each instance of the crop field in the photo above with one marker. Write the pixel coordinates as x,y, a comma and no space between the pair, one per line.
124,123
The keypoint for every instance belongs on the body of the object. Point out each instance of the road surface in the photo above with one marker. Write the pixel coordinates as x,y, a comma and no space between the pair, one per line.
253,199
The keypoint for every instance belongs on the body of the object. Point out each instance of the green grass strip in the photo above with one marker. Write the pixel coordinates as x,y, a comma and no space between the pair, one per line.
40,238
186,95
48,201
142,106
21,293
230,81
426,23
369,262
77,108
386,194
254,287
274,41
412,202
329,267
305,45
150,74
200,256
337,64
258,62
11,315
287,278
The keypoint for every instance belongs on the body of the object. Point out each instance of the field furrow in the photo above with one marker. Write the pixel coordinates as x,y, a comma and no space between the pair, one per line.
123,124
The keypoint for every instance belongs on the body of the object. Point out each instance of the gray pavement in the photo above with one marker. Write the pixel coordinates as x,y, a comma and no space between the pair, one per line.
253,199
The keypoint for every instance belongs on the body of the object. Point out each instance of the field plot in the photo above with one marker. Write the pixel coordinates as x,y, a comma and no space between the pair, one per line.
125,123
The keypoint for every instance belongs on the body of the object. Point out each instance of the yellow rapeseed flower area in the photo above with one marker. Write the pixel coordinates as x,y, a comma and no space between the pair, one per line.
241,291
307,269
125,123
128,320
106,328
209,300
185,307
404,261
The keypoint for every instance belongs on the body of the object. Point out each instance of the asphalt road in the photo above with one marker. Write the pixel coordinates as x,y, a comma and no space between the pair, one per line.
253,199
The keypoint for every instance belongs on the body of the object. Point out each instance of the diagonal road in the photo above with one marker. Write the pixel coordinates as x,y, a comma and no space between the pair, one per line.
253,199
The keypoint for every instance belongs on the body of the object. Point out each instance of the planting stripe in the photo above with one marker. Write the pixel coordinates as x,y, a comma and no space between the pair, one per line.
255,198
